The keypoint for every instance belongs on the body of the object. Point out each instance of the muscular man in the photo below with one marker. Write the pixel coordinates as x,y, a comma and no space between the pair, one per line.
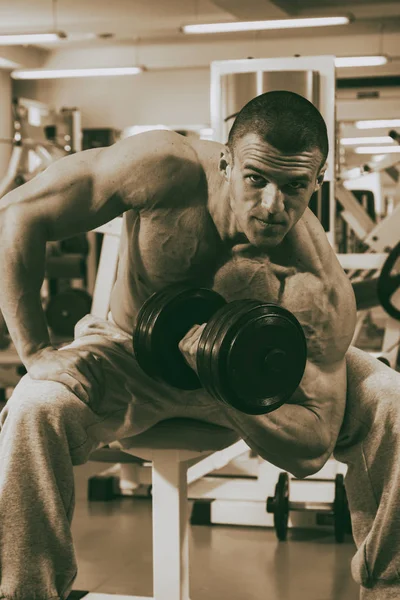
231,217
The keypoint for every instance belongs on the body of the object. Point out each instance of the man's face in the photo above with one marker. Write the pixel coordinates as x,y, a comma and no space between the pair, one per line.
269,190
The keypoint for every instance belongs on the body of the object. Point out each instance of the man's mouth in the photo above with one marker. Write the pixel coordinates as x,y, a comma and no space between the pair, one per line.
269,223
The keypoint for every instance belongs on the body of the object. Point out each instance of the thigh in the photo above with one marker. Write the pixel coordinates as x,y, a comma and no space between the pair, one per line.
132,401
372,401
42,412
369,443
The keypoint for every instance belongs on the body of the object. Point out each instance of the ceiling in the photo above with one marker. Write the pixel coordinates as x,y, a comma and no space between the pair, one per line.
160,20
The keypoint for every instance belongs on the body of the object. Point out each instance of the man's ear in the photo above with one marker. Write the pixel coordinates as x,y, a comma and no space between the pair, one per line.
320,177
225,163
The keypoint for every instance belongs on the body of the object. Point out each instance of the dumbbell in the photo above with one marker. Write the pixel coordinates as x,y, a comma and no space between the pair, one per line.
280,506
251,354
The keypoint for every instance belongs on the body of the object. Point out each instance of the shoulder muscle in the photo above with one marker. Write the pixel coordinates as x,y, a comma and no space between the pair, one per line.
147,168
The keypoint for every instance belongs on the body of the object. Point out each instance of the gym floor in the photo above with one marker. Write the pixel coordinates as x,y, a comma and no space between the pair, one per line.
114,553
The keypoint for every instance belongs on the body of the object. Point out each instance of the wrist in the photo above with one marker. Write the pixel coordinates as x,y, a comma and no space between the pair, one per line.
33,355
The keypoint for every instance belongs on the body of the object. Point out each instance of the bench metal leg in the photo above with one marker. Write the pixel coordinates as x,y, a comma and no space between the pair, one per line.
170,528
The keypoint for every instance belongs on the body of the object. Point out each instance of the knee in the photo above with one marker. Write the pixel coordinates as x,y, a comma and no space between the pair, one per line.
46,413
40,401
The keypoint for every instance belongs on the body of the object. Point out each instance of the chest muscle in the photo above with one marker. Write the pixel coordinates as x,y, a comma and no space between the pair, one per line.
178,247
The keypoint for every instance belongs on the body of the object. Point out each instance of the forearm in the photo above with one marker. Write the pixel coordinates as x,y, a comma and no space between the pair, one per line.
22,266
300,435
291,437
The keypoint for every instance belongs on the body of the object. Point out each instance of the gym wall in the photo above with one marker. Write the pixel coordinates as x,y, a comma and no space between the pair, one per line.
175,89
155,97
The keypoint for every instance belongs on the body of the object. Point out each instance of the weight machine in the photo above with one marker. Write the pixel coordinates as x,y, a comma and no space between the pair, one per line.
373,272
41,136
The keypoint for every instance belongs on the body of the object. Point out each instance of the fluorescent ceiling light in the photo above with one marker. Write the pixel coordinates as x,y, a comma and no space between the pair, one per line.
261,25
377,123
379,139
377,149
360,61
30,38
67,73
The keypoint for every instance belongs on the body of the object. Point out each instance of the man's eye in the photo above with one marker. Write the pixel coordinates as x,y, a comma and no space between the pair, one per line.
296,185
257,179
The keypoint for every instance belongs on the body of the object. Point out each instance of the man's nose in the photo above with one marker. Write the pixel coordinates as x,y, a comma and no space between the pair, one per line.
272,199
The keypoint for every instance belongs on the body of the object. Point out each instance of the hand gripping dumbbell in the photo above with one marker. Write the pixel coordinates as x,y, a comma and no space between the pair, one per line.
251,354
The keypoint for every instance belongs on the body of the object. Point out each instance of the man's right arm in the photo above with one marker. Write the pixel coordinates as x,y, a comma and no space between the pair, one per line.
74,195
63,193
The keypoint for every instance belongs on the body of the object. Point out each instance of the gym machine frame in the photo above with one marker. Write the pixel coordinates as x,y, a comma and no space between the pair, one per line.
380,238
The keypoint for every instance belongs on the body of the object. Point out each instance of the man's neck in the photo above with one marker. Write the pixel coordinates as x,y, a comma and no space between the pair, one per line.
217,190
222,215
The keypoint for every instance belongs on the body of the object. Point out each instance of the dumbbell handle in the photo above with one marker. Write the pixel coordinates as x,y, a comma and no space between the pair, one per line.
303,506
316,506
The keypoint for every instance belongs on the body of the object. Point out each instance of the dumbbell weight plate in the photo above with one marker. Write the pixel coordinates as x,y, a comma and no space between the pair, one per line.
279,506
225,388
205,357
252,355
149,352
142,343
65,309
163,321
277,357
230,323
267,344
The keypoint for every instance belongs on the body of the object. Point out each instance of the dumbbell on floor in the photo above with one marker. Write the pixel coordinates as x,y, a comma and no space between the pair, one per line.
251,354
280,506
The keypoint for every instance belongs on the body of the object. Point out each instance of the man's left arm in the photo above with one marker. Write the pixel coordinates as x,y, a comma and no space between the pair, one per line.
300,435
325,307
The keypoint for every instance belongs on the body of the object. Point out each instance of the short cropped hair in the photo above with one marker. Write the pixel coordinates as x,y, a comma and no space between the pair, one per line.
286,120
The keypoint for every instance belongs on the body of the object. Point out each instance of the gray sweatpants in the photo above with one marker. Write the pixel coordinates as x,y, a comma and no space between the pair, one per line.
369,443
45,430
